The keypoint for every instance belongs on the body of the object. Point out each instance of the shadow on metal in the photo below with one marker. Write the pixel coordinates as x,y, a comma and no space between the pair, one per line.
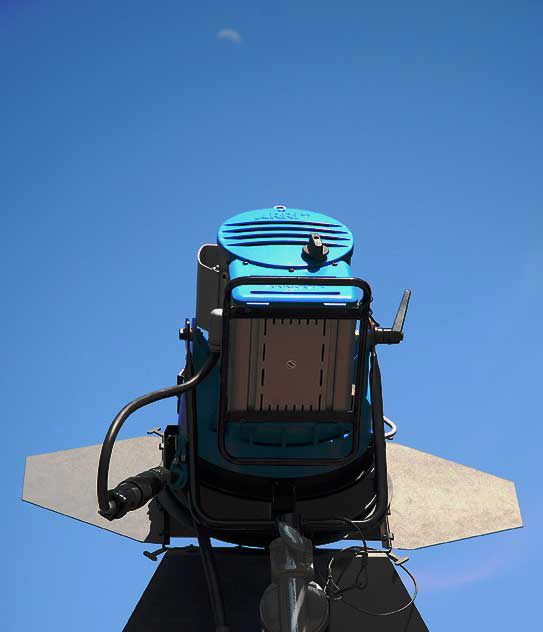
177,595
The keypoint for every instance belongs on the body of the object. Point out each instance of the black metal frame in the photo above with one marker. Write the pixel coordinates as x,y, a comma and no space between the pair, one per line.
335,524
359,313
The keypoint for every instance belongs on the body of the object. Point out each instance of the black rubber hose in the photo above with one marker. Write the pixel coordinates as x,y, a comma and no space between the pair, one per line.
210,571
376,392
182,515
122,416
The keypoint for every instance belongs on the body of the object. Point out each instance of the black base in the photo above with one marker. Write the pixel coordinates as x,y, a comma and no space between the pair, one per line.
177,598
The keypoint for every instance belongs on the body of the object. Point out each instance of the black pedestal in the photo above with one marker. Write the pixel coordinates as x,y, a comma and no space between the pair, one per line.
176,598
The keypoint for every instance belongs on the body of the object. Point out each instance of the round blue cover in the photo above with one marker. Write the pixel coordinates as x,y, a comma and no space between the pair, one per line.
275,237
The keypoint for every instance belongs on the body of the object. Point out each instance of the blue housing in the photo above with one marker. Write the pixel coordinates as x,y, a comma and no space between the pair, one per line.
270,242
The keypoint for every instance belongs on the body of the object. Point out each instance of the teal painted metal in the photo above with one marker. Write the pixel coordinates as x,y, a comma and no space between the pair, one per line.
267,440
274,237
271,241
263,243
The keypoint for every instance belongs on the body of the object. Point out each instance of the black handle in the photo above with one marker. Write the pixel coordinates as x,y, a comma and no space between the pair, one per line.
385,336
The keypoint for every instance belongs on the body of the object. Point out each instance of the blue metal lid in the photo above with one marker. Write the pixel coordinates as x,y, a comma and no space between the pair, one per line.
275,237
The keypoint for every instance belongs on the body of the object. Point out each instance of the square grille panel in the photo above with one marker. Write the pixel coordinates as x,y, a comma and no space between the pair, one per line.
293,364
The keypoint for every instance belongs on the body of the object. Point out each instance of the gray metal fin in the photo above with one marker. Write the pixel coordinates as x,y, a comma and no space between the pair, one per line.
433,500
65,482
436,501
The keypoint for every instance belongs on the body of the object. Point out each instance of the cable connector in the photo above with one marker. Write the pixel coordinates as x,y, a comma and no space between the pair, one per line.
134,492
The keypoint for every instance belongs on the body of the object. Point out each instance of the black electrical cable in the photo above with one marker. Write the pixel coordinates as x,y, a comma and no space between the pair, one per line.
390,612
376,392
109,441
336,593
330,580
210,571
379,440
182,515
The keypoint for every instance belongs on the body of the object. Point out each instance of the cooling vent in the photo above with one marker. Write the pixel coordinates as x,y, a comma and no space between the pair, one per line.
284,233
275,238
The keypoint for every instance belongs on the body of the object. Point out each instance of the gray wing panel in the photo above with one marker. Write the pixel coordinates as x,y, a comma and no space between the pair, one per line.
435,500
65,482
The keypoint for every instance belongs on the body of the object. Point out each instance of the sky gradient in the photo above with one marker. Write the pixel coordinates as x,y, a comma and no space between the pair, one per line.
130,131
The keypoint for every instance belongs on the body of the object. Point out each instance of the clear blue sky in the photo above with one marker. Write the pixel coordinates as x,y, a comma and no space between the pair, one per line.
131,130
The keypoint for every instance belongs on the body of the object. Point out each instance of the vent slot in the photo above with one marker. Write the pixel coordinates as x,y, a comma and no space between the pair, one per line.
293,235
282,242
284,226
279,222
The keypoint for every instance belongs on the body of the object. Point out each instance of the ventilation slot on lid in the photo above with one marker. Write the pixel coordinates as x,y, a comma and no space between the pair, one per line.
297,235
285,223
281,242
282,226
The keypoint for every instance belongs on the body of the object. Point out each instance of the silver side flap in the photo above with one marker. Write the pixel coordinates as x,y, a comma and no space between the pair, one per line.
65,482
435,500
